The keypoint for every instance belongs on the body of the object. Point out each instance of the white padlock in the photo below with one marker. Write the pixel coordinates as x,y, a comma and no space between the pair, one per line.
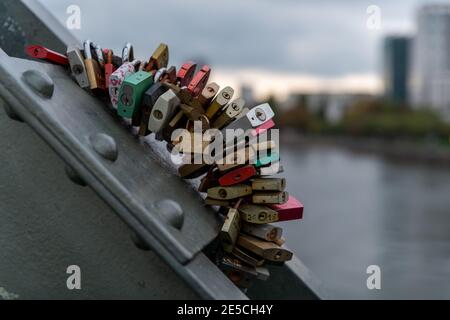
163,111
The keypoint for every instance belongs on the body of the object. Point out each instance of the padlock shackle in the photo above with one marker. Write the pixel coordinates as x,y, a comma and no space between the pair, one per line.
128,53
88,45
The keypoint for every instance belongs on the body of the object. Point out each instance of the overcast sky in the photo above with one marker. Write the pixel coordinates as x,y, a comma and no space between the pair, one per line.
278,45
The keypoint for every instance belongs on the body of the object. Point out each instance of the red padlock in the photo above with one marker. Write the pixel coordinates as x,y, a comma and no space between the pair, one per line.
200,80
263,128
291,210
238,176
40,52
109,66
186,73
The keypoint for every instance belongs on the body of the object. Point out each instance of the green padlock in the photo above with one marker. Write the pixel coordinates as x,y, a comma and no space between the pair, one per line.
270,158
131,93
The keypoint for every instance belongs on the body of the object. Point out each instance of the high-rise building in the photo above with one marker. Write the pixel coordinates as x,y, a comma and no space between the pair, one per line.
396,68
430,82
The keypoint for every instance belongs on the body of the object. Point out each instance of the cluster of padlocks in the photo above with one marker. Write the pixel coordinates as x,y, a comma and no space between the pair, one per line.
159,100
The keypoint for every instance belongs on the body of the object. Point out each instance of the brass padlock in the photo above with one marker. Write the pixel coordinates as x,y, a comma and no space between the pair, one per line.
267,250
93,67
222,99
77,66
247,258
269,184
258,214
270,197
229,193
220,203
159,59
163,110
265,232
230,230
230,113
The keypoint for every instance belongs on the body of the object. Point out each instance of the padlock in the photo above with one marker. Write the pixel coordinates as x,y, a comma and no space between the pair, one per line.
267,250
42,53
229,114
93,67
254,118
273,169
109,67
219,203
280,242
230,230
269,184
291,210
191,113
270,197
260,115
222,99
176,122
263,128
192,171
238,158
238,176
211,180
258,214
186,73
132,92
247,257
198,83
265,232
148,101
229,193
118,77
166,75
205,98
159,59
77,66
240,274
190,143
268,159
127,53
163,111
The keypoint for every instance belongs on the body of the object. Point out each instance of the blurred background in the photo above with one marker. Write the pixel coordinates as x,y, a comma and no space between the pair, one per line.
362,93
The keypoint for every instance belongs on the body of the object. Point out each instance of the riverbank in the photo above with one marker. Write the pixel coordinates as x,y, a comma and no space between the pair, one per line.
394,149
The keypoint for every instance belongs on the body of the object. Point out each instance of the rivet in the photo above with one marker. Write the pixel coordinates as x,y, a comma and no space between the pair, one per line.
171,212
105,146
139,242
10,112
39,82
75,177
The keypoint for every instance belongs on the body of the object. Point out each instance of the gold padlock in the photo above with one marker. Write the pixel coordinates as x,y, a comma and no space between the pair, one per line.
269,184
219,203
159,59
247,257
230,230
230,113
93,68
219,102
258,214
265,232
270,197
229,193
267,250
206,97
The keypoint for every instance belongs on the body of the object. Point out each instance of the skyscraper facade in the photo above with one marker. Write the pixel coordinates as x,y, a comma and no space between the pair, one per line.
430,81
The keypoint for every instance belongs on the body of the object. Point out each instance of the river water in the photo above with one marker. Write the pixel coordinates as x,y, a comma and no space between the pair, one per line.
363,210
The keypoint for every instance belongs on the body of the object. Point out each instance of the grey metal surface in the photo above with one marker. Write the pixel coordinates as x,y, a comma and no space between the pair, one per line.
48,223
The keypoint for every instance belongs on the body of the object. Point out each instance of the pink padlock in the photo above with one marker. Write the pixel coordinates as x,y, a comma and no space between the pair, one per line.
291,210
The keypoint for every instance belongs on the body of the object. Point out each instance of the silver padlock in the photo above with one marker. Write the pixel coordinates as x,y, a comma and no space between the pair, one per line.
77,66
